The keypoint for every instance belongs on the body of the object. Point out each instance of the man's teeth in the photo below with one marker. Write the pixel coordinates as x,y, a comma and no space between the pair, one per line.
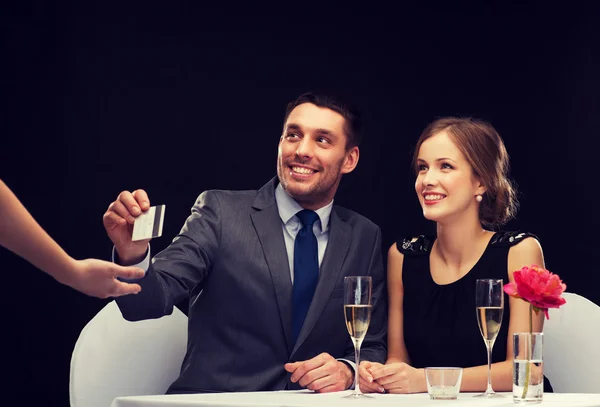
433,197
302,170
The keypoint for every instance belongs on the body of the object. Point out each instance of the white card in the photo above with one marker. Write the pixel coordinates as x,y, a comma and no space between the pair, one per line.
149,224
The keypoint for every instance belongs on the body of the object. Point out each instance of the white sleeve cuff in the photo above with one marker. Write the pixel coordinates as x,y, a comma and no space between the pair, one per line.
353,365
144,264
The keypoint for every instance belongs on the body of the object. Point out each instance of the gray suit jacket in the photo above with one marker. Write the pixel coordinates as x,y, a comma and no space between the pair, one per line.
230,261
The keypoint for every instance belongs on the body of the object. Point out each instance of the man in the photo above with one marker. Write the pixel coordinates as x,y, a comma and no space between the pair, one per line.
265,287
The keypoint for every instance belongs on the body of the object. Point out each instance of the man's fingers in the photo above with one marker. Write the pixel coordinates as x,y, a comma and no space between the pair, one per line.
132,205
142,199
314,375
121,210
318,361
326,378
298,372
331,388
291,367
128,272
327,385
309,365
111,220
318,383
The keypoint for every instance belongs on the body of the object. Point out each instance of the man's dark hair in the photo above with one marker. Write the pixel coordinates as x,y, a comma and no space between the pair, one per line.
353,121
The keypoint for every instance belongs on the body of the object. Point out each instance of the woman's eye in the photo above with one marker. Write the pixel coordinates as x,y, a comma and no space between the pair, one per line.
421,167
447,166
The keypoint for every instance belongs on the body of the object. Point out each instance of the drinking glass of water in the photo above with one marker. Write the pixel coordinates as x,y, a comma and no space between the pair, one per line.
528,367
489,304
357,311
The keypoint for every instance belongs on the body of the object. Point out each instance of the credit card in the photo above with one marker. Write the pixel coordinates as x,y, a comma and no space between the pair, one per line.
149,224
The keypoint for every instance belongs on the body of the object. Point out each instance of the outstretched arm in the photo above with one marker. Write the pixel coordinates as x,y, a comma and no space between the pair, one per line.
21,234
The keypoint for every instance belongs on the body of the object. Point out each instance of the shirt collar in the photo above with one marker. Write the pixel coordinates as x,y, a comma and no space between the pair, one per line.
288,208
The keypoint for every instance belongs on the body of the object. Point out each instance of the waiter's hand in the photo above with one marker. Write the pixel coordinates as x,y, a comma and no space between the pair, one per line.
323,374
99,278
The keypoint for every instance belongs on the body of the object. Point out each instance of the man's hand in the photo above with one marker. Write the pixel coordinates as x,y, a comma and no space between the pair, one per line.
118,221
366,382
400,378
322,374
98,278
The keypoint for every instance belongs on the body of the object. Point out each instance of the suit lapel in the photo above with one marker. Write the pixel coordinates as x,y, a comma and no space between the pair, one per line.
340,236
267,224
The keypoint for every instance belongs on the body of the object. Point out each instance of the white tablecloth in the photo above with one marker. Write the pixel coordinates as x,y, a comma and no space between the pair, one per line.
304,398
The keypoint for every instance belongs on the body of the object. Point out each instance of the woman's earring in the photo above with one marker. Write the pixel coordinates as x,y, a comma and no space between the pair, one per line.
478,198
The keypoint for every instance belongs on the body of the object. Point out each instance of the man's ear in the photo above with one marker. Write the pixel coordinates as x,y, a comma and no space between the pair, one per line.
351,160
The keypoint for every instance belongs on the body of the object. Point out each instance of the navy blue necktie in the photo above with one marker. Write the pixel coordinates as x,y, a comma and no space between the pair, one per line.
306,269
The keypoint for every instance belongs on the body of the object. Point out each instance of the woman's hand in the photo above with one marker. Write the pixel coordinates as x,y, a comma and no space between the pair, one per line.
399,377
366,382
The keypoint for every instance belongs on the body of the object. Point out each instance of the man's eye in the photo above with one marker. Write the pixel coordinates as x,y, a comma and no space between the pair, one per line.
292,135
323,140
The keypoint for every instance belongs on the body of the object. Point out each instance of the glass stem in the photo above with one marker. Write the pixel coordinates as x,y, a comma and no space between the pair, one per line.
357,362
489,355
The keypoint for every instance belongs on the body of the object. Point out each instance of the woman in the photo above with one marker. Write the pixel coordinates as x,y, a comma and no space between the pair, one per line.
21,234
462,184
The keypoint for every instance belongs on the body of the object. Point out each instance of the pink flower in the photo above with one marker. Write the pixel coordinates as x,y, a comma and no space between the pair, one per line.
539,287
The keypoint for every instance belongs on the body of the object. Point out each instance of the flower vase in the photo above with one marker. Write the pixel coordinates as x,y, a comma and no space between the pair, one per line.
528,367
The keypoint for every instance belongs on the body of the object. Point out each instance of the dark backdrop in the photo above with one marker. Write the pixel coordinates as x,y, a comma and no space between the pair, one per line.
179,98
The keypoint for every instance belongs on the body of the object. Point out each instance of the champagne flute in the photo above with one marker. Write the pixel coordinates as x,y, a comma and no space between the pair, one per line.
357,311
489,304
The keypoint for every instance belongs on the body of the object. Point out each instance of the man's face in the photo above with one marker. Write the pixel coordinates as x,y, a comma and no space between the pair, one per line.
312,155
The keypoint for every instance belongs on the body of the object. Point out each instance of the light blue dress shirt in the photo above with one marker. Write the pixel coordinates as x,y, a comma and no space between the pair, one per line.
288,208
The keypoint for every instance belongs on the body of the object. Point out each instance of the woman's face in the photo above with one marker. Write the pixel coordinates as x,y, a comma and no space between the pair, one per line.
445,185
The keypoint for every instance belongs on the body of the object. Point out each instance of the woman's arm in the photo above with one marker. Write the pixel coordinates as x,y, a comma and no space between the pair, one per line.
396,376
396,348
21,234
525,253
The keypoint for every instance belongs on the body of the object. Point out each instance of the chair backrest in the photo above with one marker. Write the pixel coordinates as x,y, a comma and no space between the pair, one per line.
571,346
114,357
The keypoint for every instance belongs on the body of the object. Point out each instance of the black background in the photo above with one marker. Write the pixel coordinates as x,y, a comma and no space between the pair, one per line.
181,97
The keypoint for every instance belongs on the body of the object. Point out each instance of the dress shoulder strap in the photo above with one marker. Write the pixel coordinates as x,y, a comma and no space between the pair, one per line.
415,246
510,238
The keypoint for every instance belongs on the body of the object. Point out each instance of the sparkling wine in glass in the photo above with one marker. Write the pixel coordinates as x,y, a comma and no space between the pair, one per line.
357,311
489,304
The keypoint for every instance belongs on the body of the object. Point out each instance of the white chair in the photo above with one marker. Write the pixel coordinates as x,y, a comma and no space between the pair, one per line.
571,346
114,357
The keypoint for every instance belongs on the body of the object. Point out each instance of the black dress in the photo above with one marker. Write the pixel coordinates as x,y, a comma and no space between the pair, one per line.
440,324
